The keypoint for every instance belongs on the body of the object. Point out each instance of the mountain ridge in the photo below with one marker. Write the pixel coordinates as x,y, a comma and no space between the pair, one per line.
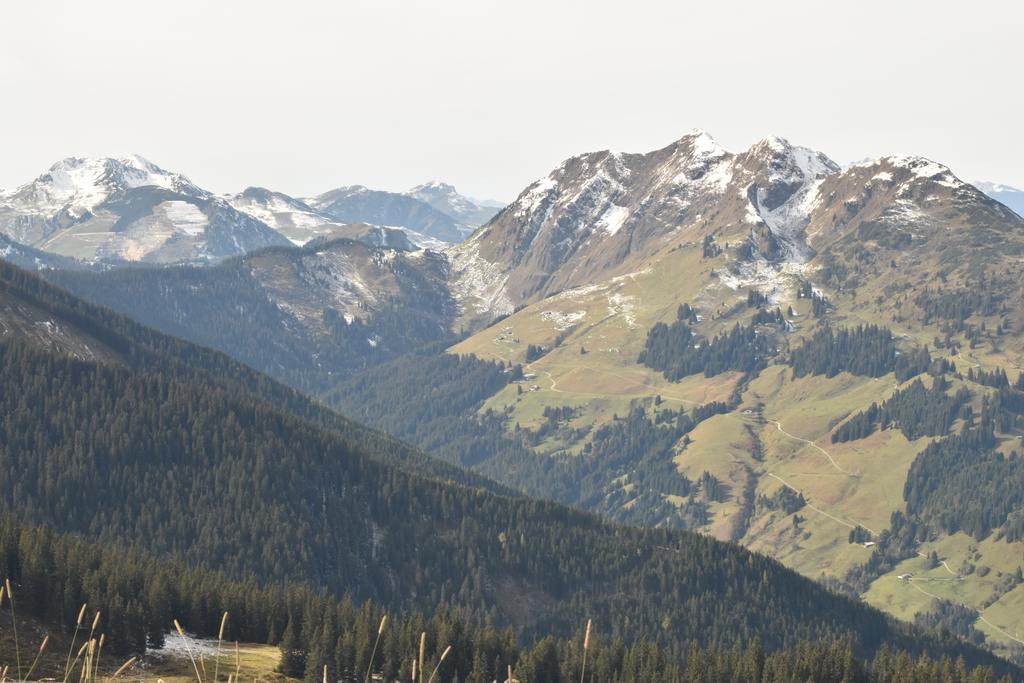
127,209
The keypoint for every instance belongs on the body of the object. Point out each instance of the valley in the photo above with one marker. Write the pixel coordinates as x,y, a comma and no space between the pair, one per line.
762,347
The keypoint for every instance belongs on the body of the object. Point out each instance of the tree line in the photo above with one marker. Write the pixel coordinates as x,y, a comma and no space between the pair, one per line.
136,598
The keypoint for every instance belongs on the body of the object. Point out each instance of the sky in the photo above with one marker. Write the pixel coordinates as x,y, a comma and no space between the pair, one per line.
304,96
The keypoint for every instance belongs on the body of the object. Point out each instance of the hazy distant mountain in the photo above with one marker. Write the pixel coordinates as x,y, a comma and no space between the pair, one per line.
306,315
34,259
131,210
357,204
1010,196
446,199
374,236
127,209
292,217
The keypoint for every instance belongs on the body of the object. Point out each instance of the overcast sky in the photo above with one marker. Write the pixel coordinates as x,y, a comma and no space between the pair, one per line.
305,96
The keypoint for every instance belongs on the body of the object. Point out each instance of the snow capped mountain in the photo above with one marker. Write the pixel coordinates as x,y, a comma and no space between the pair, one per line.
1010,196
432,215
127,209
590,215
79,185
446,199
292,217
603,214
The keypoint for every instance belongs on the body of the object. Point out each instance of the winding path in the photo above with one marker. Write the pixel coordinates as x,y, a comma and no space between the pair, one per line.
981,617
828,455
819,510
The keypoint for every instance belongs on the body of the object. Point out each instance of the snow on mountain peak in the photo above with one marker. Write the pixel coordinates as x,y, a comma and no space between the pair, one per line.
789,160
924,168
434,186
701,145
79,184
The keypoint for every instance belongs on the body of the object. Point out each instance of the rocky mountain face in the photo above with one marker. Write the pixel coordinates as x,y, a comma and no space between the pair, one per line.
374,235
607,213
127,210
432,215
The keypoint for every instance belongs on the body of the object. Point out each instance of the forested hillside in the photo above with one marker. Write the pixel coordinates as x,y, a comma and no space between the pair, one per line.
252,489
306,316
50,577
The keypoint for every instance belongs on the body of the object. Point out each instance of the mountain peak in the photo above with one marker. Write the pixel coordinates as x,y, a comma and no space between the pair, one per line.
434,186
79,184
701,143
445,198
782,155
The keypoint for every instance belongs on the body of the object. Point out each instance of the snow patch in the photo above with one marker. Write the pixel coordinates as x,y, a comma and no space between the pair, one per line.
563,321
777,282
623,306
613,218
185,217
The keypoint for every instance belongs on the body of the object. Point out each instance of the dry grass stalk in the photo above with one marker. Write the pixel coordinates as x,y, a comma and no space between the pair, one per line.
439,662
380,630
71,650
220,639
423,649
122,669
14,625
99,650
39,653
586,645
188,648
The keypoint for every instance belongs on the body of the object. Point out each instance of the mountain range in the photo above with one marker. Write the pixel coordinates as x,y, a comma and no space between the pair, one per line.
819,363
129,210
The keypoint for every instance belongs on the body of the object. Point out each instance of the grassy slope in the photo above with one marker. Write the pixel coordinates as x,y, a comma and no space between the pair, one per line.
858,482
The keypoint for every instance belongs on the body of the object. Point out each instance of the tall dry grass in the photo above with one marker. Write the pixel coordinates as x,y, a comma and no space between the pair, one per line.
86,661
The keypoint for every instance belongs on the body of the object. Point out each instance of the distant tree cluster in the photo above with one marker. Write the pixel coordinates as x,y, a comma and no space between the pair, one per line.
677,352
915,410
982,298
962,483
993,378
866,350
534,352
949,617
819,304
768,317
756,299
711,249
